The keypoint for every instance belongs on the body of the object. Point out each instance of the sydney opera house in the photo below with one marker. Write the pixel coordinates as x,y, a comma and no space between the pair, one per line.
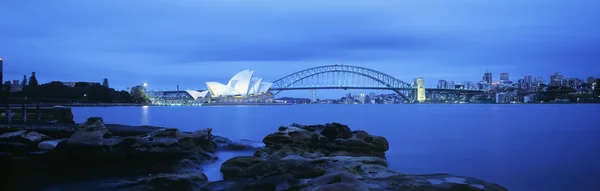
241,86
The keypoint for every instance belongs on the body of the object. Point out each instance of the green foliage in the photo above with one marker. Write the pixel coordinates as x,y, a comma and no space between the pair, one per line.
139,95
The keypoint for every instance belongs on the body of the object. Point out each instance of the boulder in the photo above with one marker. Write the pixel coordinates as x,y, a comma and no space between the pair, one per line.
35,137
434,182
360,167
30,138
91,132
49,144
316,141
256,168
223,143
281,182
161,151
180,181
338,181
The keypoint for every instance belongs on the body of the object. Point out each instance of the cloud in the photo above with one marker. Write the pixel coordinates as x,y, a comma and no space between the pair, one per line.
173,40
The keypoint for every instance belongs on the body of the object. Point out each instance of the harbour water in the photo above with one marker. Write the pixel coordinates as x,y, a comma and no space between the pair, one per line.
521,147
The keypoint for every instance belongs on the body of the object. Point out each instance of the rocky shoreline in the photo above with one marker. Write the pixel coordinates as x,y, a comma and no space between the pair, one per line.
297,157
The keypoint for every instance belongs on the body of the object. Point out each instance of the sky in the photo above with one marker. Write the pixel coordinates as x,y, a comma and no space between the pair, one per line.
166,43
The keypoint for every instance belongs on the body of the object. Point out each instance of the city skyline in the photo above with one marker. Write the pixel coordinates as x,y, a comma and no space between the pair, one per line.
194,42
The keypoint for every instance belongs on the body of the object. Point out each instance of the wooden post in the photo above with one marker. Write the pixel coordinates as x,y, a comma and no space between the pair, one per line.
8,113
39,111
24,113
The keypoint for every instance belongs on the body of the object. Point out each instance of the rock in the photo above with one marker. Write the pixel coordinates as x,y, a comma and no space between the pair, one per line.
13,136
35,137
161,151
224,143
49,145
256,168
360,167
320,141
282,182
434,182
90,132
31,138
182,181
337,181
126,130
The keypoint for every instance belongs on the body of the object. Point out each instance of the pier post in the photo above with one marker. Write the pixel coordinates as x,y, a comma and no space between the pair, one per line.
24,113
38,110
8,113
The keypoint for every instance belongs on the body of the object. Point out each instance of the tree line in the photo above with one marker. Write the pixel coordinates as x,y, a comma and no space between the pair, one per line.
81,92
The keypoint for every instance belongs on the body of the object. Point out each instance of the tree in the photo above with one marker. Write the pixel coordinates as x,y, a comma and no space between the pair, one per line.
138,95
105,83
24,82
5,91
32,80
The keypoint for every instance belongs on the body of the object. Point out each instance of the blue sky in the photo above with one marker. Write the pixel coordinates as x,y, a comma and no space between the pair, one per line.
188,42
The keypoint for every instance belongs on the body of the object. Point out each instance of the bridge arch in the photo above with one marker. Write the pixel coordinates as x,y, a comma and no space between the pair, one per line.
383,81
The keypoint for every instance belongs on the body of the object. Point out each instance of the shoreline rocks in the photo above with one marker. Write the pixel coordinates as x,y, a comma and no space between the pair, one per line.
297,157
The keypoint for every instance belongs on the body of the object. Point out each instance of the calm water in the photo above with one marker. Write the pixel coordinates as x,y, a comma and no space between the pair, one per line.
522,147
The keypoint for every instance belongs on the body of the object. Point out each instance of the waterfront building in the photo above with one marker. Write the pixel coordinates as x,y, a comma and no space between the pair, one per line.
556,79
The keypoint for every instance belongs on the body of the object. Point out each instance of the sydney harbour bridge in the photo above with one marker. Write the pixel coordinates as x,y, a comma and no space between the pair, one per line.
355,77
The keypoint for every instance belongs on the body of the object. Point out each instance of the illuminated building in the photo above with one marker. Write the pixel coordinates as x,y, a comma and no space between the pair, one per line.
421,90
243,84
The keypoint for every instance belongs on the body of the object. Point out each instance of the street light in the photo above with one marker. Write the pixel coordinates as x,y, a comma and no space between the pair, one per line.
145,84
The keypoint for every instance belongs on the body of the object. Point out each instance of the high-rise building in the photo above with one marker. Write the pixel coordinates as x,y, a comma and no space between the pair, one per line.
487,77
420,90
442,84
1,71
540,80
451,85
591,80
556,79
503,76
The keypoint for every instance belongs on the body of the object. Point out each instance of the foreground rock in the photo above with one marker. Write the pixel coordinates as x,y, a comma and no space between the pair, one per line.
223,143
330,157
316,141
159,151
181,181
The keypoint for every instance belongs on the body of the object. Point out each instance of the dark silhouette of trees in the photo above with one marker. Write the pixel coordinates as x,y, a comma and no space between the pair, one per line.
555,92
105,82
33,80
24,82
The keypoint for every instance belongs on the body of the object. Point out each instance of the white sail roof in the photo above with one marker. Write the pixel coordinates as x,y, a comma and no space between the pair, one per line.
243,83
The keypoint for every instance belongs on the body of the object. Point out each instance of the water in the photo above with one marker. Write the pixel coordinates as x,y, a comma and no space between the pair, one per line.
522,147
